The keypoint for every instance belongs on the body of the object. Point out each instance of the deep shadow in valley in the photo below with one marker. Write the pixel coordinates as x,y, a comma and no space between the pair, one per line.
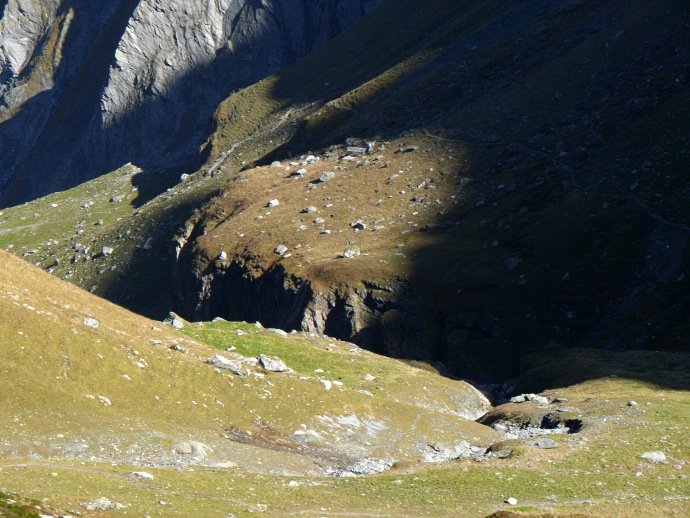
555,268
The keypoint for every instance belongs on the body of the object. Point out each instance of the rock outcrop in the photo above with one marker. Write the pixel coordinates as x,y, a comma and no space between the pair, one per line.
86,87
381,318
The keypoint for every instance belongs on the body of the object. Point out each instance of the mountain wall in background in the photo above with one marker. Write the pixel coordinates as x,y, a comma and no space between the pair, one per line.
88,86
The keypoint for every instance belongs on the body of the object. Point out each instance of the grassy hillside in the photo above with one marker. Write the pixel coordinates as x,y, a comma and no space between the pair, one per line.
135,213
270,439
520,213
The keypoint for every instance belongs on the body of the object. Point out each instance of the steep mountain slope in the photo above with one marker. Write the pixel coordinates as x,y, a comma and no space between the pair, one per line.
491,216
86,87
545,203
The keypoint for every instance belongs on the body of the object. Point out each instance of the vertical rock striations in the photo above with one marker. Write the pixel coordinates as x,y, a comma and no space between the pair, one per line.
85,87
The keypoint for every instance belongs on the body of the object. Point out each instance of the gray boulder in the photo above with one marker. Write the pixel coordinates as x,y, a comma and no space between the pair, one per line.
272,364
222,362
657,457
545,444
101,504
194,449
529,397
174,320
327,176
91,322
349,253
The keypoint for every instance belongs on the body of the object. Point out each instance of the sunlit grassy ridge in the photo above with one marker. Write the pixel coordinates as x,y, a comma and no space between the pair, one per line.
61,445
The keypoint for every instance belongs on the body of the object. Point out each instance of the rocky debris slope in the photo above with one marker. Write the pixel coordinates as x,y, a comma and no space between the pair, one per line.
86,87
558,196
251,259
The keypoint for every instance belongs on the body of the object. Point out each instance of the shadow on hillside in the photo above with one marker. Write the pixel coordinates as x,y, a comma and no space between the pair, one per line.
163,131
563,367
530,265
144,281
57,118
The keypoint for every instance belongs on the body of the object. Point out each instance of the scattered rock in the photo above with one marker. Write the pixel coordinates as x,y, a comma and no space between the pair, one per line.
196,450
276,331
511,501
369,377
174,320
102,504
117,199
309,209
91,322
354,150
273,203
306,436
544,444
275,164
511,262
223,256
529,397
326,176
632,403
142,475
107,250
272,364
241,333
368,466
349,253
326,384
280,249
439,452
657,457
222,362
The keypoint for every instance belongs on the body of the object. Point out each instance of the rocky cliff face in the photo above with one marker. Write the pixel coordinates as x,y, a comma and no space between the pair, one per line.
87,87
